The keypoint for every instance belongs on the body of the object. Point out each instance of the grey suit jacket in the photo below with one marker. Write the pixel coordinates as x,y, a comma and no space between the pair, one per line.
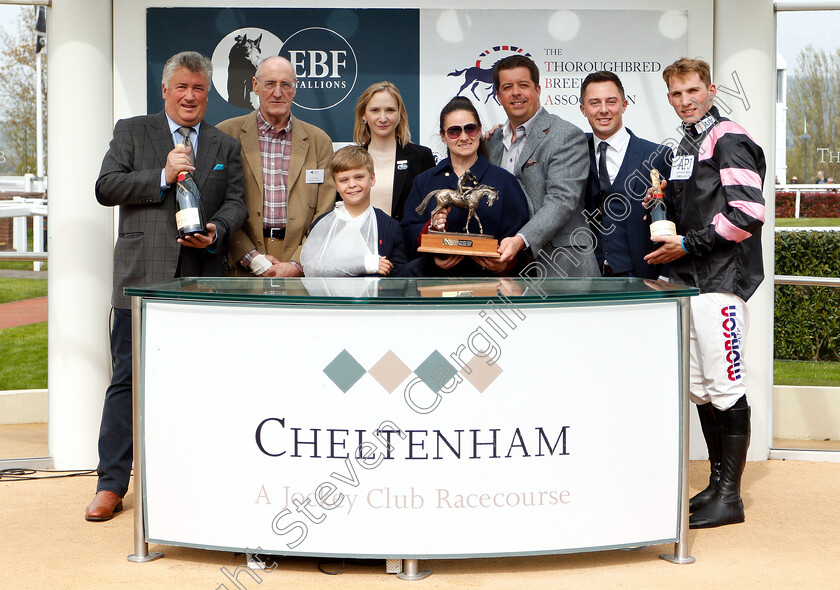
552,169
147,249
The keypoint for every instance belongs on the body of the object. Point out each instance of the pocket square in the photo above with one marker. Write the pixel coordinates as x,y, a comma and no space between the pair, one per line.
530,162
219,167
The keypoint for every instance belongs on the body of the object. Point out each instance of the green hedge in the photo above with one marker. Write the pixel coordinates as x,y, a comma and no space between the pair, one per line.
807,319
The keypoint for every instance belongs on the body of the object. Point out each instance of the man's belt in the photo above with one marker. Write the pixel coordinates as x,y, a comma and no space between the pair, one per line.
275,233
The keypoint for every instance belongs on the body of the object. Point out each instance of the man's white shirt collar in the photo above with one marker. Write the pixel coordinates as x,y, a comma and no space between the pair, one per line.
618,140
507,130
617,143
173,128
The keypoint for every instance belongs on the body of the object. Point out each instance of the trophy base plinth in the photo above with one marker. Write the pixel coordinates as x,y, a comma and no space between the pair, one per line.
459,244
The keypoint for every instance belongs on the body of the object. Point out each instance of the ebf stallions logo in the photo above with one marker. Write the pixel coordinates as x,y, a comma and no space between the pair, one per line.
324,63
325,66
480,76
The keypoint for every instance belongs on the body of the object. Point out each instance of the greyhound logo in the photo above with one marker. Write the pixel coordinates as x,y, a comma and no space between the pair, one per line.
235,62
480,76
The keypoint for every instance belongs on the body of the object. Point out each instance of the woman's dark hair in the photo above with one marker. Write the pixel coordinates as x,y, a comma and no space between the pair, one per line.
462,103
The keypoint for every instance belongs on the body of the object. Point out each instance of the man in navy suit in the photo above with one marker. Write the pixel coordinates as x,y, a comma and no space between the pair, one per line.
619,176
139,175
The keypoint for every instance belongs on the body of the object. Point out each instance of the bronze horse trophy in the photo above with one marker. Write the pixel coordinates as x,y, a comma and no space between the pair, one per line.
465,197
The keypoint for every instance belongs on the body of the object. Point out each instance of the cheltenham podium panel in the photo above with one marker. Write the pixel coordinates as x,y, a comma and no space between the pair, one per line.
410,418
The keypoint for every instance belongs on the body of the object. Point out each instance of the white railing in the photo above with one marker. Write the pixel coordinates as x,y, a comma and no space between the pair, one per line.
20,209
811,188
810,281
28,183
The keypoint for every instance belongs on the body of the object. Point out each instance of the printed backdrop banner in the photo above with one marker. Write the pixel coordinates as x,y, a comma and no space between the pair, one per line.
460,47
337,54
473,430
431,55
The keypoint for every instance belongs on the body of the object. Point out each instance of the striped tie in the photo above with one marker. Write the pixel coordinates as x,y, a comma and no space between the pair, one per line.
185,131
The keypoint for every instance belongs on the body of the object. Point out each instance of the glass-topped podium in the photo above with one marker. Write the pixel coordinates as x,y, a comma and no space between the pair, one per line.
411,418
398,290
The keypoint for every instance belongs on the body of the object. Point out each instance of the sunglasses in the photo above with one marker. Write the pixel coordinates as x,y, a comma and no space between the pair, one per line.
471,129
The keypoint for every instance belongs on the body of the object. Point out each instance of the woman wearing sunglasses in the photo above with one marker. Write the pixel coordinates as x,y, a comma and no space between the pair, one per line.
382,128
460,130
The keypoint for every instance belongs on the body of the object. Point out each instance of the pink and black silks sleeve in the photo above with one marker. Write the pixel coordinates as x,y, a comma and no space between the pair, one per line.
731,171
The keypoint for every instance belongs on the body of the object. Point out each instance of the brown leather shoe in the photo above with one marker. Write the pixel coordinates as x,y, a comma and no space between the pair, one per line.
103,506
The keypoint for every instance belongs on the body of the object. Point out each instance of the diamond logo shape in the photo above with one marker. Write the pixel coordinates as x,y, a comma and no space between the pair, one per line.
481,374
435,371
389,371
344,371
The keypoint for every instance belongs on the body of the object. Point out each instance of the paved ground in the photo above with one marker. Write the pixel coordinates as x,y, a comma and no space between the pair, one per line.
786,543
21,274
22,313
28,311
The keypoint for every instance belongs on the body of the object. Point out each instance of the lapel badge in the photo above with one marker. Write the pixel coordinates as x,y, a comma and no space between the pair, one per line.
402,164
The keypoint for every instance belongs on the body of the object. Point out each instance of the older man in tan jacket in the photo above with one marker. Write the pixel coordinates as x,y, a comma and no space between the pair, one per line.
287,184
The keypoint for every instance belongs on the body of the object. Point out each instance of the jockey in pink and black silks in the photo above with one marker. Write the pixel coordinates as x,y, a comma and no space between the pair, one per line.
719,208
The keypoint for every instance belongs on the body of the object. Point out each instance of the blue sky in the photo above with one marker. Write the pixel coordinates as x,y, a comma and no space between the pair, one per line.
795,30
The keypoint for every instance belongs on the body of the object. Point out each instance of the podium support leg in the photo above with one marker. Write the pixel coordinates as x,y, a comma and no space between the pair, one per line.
141,548
680,555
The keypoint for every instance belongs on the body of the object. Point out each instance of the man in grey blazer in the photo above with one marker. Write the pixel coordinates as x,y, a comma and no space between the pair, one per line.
550,158
139,175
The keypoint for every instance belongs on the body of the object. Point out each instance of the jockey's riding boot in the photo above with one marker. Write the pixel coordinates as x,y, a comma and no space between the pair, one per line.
726,506
713,433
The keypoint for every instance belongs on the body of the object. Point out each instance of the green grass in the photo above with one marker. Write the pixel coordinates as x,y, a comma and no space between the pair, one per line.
23,349
21,265
806,373
808,222
24,353
19,289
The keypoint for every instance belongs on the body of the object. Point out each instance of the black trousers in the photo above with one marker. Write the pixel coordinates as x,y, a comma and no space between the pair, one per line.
115,431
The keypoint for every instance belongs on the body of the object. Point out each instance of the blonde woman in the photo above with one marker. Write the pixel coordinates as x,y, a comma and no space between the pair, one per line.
382,128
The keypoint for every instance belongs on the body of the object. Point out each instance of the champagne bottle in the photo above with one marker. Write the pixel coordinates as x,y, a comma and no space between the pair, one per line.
658,213
189,214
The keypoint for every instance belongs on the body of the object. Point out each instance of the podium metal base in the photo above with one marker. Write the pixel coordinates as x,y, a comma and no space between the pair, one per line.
144,558
411,571
677,559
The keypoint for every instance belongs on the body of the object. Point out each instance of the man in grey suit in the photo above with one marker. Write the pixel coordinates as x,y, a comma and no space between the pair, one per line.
549,157
138,174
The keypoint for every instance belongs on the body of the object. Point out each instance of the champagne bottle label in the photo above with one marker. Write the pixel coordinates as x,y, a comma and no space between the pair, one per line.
663,228
187,217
